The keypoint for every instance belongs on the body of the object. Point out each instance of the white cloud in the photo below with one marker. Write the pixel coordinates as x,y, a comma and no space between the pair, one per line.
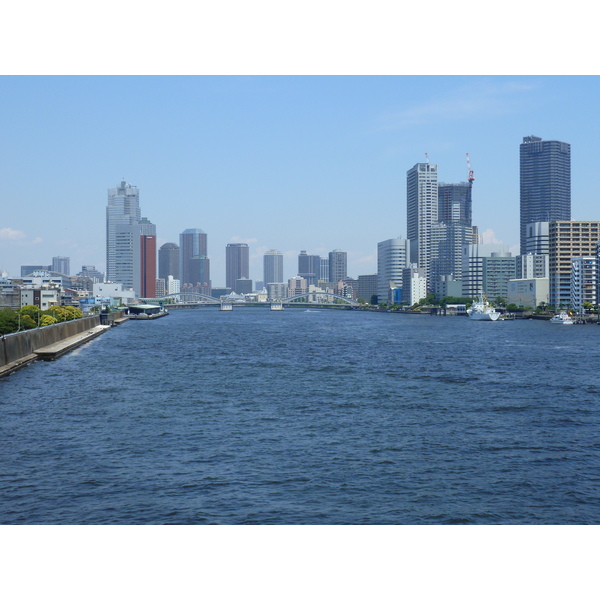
236,239
37,240
11,234
489,237
478,98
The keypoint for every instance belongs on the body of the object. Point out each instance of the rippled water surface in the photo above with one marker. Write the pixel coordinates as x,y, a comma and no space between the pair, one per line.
295,417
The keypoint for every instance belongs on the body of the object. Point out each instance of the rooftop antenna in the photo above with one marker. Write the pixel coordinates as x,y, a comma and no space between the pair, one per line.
427,157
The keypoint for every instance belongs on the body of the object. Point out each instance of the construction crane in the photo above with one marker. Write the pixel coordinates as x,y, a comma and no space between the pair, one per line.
471,176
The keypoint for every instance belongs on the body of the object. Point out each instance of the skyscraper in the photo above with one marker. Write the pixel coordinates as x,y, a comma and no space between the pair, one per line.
392,258
61,264
168,261
455,203
237,264
123,209
421,212
309,267
338,266
194,262
273,267
147,262
545,167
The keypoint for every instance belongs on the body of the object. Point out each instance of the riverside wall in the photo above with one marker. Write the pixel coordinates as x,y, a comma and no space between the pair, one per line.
16,346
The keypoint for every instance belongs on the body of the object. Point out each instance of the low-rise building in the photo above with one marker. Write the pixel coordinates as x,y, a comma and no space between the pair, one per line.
528,293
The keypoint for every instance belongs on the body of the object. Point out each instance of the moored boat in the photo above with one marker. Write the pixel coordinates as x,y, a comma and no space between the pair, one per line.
562,318
482,310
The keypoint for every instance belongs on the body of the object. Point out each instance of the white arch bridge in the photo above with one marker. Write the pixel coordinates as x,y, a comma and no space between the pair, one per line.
193,298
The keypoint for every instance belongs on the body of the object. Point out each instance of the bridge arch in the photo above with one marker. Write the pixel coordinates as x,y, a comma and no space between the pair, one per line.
183,296
329,294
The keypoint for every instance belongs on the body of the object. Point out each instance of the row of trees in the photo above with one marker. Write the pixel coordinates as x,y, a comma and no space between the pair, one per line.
30,317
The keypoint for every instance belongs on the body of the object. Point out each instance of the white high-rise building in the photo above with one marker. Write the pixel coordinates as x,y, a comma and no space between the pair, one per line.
584,281
173,285
123,209
392,258
421,212
273,267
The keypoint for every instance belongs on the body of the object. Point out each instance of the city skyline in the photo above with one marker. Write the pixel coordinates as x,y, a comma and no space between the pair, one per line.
267,173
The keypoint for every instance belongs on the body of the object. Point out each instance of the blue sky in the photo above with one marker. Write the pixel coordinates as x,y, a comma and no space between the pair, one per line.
285,162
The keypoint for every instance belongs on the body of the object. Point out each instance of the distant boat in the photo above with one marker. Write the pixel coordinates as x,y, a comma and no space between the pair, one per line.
482,310
562,318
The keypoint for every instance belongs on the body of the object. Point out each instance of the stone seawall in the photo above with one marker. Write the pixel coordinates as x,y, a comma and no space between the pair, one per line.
17,346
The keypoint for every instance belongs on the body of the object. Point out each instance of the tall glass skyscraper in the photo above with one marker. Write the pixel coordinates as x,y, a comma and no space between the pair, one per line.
273,267
237,263
168,261
194,265
421,211
123,209
545,182
338,266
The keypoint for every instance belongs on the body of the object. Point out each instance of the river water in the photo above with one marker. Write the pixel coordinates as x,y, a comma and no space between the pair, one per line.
297,417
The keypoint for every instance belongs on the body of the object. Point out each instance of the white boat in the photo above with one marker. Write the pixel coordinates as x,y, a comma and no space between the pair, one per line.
482,310
562,318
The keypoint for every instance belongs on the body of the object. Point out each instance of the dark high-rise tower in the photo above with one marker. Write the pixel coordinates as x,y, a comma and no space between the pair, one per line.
237,264
545,182
309,267
193,257
168,261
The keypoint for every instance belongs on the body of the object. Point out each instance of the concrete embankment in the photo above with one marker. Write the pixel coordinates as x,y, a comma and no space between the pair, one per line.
20,349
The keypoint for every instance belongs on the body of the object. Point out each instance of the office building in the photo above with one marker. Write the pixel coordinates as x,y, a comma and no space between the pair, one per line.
545,183
447,242
272,267
123,210
237,263
168,261
277,291
61,264
173,285
193,258
243,286
323,269
568,240
532,266
309,266
338,266
368,287
29,269
161,288
528,292
584,281
91,272
297,285
455,203
147,259
414,284
392,259
474,269
536,238
421,212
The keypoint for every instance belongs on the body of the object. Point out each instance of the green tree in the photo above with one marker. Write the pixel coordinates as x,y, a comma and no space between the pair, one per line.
31,311
500,301
374,300
9,321
46,320
512,307
27,322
